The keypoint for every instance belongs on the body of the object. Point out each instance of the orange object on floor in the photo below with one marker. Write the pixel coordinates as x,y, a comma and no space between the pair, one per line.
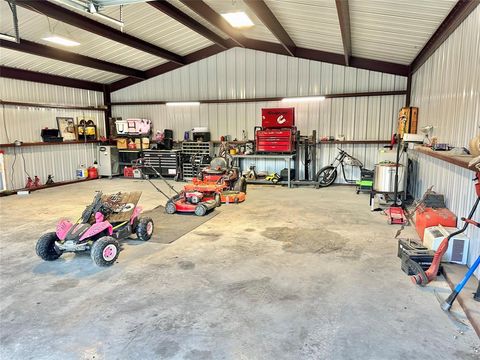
433,217
232,197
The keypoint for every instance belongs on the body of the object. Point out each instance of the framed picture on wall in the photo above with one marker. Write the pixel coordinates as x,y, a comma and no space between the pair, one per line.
66,126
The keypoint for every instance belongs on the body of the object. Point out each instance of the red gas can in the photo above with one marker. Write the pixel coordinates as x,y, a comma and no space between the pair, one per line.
434,217
278,118
92,172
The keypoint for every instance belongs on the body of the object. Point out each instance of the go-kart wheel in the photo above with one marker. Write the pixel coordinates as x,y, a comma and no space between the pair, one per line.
218,199
200,210
144,229
46,248
105,251
170,208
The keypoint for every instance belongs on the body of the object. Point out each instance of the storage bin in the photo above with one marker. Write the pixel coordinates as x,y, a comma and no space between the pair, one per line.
433,217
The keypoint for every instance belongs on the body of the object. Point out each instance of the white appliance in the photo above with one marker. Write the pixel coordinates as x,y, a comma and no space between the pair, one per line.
457,246
108,164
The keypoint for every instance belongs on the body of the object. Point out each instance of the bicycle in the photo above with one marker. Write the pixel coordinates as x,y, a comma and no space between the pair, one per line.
327,175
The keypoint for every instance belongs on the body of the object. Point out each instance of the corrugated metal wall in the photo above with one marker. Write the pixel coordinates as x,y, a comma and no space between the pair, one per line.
25,123
241,73
446,89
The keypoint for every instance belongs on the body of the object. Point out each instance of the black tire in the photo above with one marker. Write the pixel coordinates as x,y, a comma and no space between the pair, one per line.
240,185
144,229
218,199
200,210
170,208
102,258
46,248
236,201
326,176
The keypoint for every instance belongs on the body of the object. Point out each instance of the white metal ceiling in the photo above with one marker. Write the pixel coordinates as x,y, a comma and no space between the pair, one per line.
258,31
393,30
24,61
310,24
386,30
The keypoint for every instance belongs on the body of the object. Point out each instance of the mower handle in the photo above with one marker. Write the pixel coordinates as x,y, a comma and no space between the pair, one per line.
471,222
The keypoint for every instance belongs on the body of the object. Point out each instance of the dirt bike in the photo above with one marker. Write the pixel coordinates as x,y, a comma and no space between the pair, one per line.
327,175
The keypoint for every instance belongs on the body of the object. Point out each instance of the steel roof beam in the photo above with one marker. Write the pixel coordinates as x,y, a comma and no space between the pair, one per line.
343,11
181,17
27,75
82,22
267,17
50,52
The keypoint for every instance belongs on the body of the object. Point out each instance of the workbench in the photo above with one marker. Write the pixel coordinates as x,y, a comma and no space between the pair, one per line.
286,157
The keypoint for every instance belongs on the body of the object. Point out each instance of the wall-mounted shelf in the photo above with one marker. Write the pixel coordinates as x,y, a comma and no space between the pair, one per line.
40,143
53,106
365,142
461,161
41,187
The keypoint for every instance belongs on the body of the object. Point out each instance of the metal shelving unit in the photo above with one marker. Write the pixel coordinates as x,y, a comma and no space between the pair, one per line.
199,149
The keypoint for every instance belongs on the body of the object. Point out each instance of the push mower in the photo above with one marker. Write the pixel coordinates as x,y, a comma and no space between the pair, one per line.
185,201
108,219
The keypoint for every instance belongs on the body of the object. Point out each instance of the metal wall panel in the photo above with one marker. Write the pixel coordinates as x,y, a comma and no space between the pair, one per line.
60,161
26,91
446,90
238,73
25,123
241,73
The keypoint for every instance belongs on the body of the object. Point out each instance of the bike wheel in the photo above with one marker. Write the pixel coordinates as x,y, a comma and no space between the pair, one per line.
326,176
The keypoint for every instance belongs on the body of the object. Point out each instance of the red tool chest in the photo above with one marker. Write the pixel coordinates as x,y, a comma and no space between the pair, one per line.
277,134
278,118
275,141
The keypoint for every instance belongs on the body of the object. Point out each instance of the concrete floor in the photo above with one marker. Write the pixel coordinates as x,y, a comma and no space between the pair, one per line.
289,274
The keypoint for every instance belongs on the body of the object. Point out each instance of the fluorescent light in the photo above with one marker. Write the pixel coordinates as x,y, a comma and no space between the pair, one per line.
8,37
238,19
183,103
304,99
60,40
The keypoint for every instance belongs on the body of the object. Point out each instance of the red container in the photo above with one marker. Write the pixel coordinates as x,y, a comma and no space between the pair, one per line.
281,141
434,217
278,118
128,171
92,172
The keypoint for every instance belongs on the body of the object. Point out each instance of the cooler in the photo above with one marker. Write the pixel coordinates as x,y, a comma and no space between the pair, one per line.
434,217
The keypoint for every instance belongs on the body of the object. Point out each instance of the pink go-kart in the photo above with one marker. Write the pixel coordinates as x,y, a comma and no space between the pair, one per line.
108,219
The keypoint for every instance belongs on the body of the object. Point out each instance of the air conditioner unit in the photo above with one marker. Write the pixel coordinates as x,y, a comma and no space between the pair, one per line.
457,246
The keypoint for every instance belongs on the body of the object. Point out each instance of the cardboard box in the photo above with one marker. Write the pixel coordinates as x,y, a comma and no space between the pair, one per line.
122,143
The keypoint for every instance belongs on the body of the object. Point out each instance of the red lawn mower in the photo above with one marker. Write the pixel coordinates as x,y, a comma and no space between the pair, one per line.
220,177
185,201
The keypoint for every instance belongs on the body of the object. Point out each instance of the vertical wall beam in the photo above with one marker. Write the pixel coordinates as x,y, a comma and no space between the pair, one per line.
107,100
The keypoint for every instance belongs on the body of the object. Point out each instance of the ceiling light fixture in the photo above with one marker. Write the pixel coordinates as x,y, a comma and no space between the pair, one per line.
91,8
8,37
60,40
304,99
183,103
238,19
